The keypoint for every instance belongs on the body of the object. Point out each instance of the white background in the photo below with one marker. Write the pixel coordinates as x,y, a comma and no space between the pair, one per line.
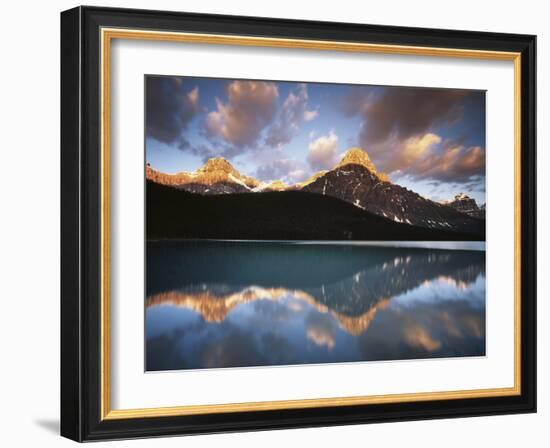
29,185
132,388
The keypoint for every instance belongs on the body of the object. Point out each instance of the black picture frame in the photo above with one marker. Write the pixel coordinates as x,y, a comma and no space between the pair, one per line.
81,224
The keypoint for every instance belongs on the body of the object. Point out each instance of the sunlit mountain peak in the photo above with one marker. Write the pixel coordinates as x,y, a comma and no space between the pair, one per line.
218,164
358,156
216,170
277,185
465,204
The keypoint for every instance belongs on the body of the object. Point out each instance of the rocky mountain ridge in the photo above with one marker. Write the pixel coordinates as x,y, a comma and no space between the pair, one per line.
216,176
354,179
465,204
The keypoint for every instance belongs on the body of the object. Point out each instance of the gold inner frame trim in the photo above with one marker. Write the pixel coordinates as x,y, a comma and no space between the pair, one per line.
107,35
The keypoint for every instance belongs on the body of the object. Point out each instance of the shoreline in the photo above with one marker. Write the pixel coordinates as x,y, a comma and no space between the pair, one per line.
442,245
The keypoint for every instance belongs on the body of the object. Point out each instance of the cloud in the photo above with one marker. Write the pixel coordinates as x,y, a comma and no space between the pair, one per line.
455,164
418,337
416,147
250,108
292,113
310,115
287,170
170,107
397,130
405,153
297,175
322,152
321,331
357,100
429,157
404,112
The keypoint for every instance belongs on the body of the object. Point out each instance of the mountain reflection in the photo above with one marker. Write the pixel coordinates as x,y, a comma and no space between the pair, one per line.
215,308
215,304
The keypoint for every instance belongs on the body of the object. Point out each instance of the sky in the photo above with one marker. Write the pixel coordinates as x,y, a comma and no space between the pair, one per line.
429,140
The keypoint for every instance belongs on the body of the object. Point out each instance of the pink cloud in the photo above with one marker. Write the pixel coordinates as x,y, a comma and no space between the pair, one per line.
322,152
250,108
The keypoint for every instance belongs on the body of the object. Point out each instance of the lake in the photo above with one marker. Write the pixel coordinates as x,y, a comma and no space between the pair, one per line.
214,304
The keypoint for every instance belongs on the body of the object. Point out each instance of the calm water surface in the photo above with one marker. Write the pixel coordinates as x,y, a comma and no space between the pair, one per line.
212,304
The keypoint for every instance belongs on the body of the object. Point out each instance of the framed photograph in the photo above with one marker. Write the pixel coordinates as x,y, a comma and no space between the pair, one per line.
274,224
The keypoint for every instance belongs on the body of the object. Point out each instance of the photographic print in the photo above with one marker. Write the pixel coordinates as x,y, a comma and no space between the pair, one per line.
262,201
297,223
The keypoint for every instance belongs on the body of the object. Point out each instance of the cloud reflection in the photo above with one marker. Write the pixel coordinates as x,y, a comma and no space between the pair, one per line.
398,304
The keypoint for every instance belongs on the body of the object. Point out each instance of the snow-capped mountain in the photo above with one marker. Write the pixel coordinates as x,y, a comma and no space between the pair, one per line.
356,156
465,204
216,176
276,185
354,179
